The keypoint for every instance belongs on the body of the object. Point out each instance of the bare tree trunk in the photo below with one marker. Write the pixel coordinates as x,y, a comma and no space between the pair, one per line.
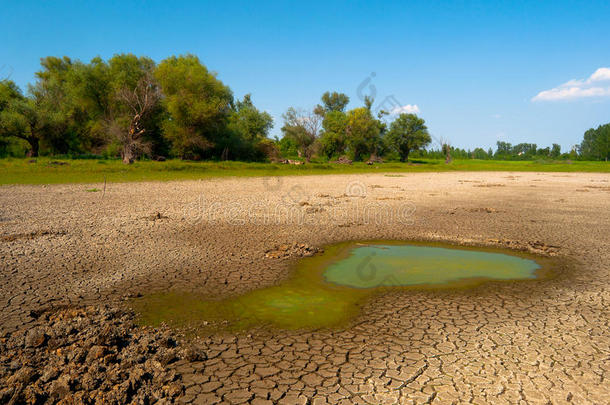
131,139
127,154
447,151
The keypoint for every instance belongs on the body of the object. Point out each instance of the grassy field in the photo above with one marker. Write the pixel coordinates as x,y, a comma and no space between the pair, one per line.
52,171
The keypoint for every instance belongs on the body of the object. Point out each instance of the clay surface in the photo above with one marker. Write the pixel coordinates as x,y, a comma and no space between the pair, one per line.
495,343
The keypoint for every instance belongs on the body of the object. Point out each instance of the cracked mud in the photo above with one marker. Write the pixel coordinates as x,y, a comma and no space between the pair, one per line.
494,343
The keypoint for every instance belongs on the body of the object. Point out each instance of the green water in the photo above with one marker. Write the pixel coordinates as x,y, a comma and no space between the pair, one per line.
408,265
327,290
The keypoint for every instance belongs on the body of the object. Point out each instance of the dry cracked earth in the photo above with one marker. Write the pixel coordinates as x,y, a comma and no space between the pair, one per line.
543,341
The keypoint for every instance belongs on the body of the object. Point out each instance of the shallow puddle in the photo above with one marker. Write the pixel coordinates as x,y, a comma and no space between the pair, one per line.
407,265
327,290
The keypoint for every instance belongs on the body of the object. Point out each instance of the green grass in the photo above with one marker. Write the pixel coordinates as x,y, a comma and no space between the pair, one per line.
53,171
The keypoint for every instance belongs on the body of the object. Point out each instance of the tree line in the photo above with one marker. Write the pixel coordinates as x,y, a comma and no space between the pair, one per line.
131,107
331,132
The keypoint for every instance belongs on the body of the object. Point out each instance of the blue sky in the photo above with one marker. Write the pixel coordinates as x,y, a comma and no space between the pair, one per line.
477,72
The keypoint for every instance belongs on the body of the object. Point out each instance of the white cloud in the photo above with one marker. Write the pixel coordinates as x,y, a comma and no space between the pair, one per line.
568,93
496,116
601,74
596,85
409,109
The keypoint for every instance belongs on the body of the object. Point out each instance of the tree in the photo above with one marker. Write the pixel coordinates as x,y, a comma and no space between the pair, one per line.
75,100
596,143
249,128
250,122
288,147
140,101
198,105
91,107
62,119
134,102
407,133
446,149
332,102
555,151
479,153
22,117
332,139
87,103
504,150
334,124
545,152
361,133
368,102
9,92
19,117
302,127
524,150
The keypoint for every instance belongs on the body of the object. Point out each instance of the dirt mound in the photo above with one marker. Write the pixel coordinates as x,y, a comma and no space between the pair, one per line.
92,355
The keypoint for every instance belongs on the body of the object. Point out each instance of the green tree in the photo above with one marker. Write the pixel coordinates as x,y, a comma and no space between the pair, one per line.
503,150
19,117
544,152
368,102
596,143
62,116
249,121
288,147
198,105
362,133
407,133
87,99
524,150
249,129
332,138
555,151
332,102
76,101
479,153
88,106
